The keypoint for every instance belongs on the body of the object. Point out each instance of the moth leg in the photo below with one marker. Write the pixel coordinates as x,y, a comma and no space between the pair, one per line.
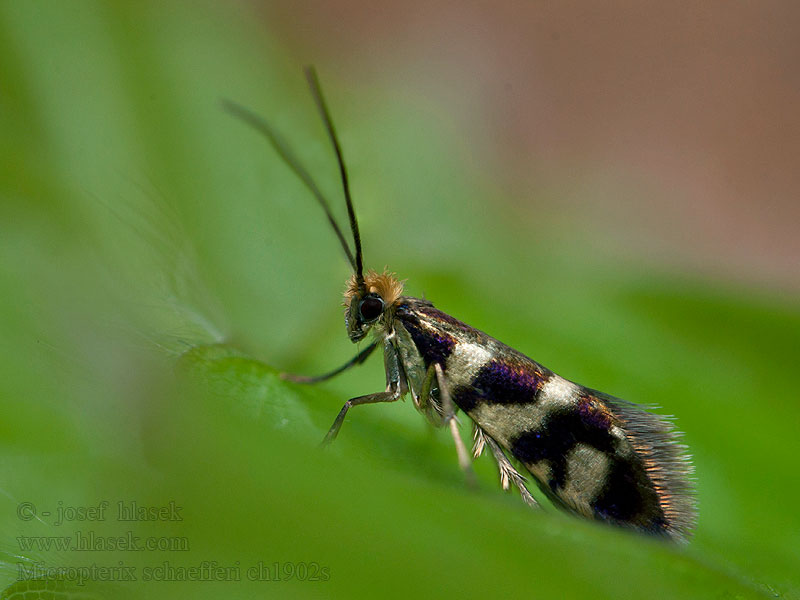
356,360
478,440
388,396
425,403
449,419
508,474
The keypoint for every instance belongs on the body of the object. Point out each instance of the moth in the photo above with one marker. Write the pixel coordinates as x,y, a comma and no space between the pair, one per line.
590,453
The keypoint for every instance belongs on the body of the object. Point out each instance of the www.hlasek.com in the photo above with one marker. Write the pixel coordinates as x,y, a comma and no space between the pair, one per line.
206,570
89,541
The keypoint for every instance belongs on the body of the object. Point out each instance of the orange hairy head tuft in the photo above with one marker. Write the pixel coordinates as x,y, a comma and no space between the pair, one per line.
385,284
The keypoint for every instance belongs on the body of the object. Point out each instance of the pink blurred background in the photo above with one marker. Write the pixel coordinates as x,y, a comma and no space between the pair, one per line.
671,128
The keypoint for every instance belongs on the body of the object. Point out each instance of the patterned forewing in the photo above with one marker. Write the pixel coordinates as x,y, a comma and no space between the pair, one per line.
592,454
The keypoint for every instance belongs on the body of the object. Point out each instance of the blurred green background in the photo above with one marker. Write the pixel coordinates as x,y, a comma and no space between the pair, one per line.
159,265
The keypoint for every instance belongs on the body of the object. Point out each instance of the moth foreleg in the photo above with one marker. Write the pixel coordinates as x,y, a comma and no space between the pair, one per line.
508,474
356,360
388,396
449,420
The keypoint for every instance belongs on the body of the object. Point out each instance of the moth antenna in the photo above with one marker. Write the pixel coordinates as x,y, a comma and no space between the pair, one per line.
316,91
285,152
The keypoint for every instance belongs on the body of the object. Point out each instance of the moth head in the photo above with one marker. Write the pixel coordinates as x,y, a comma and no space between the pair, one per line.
369,303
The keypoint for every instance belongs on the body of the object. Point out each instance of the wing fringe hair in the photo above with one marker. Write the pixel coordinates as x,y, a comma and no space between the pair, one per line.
666,459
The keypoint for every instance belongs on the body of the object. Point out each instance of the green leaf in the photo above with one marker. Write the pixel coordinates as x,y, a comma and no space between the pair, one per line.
159,265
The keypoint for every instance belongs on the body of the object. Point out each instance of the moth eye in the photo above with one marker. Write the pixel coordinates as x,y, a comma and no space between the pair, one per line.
370,308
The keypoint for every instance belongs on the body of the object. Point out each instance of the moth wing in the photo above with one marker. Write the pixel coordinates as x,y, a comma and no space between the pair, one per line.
593,454
590,453
611,460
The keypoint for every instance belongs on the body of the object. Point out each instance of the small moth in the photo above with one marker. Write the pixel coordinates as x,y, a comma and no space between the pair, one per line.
591,454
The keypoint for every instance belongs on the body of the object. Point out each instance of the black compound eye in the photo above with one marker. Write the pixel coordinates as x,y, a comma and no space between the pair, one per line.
370,308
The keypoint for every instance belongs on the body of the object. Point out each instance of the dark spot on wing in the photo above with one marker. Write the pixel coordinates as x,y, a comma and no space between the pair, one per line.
433,346
504,382
466,398
559,434
501,381
621,498
628,496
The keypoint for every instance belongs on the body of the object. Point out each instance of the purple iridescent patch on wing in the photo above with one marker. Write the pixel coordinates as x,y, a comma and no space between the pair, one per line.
508,382
433,346
501,381
594,413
